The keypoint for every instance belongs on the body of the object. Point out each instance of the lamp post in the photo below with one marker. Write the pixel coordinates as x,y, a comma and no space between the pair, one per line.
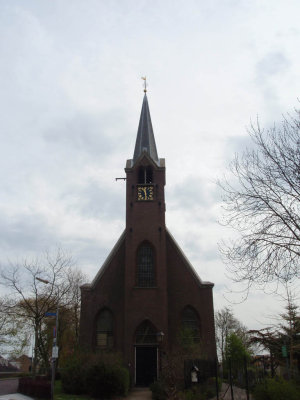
54,346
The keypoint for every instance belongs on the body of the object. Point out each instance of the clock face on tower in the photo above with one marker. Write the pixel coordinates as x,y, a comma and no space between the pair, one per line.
145,192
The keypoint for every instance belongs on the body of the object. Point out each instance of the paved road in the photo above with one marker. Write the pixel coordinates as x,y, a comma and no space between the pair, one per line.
8,390
15,396
9,386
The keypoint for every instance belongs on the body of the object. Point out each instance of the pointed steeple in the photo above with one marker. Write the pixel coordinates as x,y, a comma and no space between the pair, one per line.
145,141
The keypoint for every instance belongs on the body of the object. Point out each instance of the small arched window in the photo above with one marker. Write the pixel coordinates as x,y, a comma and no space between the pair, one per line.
145,266
104,328
190,325
146,333
145,175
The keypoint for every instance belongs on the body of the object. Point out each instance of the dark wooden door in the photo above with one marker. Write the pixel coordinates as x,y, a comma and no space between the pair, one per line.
146,365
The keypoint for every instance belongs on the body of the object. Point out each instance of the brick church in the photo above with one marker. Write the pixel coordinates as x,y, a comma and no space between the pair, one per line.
146,290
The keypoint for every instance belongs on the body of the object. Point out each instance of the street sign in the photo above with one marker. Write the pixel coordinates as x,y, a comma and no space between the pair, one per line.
50,314
55,352
284,351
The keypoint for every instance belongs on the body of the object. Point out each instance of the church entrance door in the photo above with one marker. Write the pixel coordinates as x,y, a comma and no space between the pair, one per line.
145,365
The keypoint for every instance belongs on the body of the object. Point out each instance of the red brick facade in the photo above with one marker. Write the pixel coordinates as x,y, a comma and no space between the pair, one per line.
176,284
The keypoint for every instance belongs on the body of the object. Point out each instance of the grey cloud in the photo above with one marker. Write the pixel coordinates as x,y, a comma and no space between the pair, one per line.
87,254
202,250
237,144
271,64
192,193
82,133
268,71
22,233
220,288
95,201
85,138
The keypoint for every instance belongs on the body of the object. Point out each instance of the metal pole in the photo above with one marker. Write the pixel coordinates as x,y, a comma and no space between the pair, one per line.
217,378
52,378
53,358
54,340
230,379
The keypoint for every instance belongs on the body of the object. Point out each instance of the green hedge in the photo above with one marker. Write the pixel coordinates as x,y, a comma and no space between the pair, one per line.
276,389
98,378
73,376
105,381
158,391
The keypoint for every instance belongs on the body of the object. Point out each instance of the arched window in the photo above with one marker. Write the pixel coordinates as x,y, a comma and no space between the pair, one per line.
190,325
146,333
145,175
145,266
104,337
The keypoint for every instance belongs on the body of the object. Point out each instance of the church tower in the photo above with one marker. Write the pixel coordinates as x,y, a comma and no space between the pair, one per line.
145,248
146,290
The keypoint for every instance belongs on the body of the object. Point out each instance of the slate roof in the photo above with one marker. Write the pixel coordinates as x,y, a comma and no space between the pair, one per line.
114,251
145,141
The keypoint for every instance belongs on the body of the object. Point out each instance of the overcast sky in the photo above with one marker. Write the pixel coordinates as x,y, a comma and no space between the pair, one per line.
70,102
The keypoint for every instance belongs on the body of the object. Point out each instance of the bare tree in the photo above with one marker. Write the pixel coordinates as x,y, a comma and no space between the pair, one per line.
29,298
5,328
14,339
262,202
76,278
226,323
69,316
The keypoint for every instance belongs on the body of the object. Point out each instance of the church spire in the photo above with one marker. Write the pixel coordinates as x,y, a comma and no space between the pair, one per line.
145,141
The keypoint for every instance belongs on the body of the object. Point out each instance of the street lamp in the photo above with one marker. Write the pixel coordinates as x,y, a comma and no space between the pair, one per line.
160,337
54,347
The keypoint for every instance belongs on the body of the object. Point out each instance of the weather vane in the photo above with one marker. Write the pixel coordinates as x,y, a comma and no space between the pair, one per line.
145,83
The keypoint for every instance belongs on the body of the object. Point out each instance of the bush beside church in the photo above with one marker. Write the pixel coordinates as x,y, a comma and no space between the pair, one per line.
101,376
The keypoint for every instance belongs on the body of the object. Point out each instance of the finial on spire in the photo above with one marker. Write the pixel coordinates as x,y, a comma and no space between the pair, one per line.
145,83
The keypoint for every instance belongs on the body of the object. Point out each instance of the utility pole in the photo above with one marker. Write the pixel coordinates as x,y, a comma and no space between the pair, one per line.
55,342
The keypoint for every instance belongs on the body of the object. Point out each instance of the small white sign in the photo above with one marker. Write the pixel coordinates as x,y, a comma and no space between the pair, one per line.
55,352
194,377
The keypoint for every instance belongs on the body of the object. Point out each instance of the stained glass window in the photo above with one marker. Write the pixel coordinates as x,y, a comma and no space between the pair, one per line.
191,324
104,337
145,267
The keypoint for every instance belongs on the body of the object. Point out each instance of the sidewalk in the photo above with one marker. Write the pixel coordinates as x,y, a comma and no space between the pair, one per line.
135,394
15,396
139,394
238,394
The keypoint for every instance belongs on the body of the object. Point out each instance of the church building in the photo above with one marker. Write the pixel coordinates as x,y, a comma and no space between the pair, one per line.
146,291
